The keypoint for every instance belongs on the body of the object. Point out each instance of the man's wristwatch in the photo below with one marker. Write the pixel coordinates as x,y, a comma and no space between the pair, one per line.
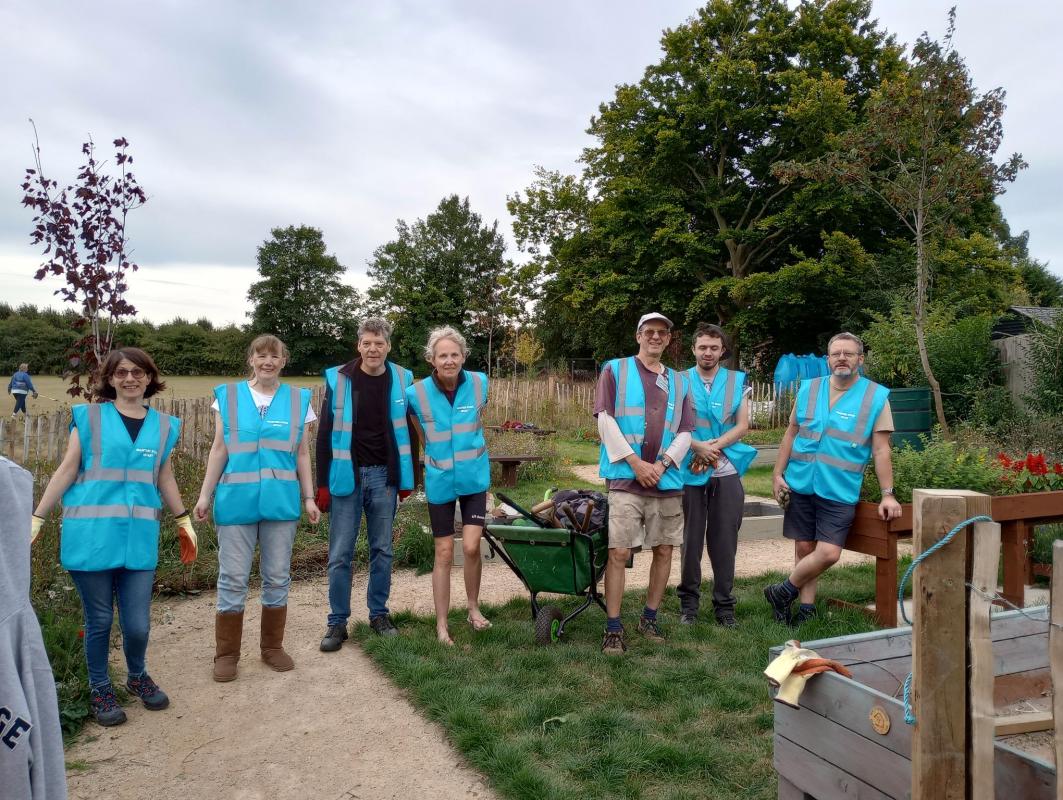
667,461
888,491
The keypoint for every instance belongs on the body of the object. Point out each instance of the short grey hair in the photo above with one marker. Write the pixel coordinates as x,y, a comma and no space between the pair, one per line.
377,325
436,335
852,337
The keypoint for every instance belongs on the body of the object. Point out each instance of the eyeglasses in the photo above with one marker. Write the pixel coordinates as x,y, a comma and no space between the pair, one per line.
136,373
846,356
654,333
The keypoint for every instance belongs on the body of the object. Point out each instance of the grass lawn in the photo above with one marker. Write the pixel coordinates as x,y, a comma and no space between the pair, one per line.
690,718
757,480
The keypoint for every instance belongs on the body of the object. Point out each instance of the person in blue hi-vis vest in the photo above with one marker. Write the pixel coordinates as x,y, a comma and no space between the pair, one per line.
714,498
448,407
645,418
839,422
21,385
113,481
258,474
364,466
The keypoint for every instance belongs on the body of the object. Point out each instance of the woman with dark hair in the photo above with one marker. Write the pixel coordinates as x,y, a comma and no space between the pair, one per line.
113,480
259,464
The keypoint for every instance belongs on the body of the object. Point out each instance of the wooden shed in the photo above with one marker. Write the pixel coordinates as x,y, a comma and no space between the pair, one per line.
1011,339
849,738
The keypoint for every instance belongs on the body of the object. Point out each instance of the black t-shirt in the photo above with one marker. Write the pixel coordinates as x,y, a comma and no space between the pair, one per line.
132,424
372,423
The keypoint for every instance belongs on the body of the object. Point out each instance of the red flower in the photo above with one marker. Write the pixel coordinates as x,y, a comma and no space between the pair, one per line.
1005,462
81,633
1057,468
1036,464
1018,466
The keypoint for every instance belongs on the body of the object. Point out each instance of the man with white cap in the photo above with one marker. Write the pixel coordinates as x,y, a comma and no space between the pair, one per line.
645,417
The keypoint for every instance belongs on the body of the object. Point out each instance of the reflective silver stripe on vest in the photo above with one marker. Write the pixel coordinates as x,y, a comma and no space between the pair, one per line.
622,409
100,512
830,461
807,433
295,423
465,427
729,397
234,445
428,422
404,450
398,424
340,401
862,419
813,398
341,455
469,455
446,463
164,434
110,474
262,474
634,438
275,444
478,388
96,430
677,406
701,422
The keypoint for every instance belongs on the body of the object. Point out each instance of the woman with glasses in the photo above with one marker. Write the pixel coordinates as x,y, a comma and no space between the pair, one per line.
448,407
113,481
260,465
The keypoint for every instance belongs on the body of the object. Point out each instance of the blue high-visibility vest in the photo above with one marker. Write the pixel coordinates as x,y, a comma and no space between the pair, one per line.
630,416
111,512
715,413
833,445
455,452
259,481
341,478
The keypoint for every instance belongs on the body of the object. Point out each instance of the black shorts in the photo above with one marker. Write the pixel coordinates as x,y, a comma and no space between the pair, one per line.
809,518
473,512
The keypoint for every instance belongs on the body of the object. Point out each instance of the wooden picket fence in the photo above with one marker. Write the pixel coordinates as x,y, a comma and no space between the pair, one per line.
547,402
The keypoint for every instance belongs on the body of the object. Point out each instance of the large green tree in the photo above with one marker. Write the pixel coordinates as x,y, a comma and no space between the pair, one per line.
679,202
449,268
302,299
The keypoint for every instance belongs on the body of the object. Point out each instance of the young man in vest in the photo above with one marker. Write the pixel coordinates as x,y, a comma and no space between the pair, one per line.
364,462
644,419
714,498
838,424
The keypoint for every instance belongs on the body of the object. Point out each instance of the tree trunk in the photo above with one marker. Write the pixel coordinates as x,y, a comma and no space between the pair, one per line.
920,325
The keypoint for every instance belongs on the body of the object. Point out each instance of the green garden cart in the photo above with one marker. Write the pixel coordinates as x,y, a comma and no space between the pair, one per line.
568,560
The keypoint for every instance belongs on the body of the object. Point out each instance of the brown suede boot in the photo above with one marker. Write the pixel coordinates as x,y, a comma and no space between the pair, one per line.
273,639
228,631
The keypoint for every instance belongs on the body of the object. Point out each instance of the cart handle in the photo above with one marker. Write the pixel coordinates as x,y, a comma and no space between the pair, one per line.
542,523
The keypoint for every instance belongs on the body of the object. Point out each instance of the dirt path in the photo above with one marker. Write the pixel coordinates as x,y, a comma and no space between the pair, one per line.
333,728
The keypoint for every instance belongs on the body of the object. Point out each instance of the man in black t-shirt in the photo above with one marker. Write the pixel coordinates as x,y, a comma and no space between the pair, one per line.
367,390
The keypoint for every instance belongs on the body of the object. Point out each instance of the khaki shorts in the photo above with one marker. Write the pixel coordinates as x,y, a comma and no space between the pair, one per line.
638,521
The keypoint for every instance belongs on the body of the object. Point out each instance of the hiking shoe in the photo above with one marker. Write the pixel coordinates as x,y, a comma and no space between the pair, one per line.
334,638
727,621
148,691
688,618
105,707
803,615
650,629
779,601
613,643
383,626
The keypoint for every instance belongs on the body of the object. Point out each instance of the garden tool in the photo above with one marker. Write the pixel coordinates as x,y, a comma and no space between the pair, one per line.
785,663
187,535
794,683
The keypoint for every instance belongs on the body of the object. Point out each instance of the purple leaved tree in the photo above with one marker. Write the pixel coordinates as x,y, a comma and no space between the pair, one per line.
83,230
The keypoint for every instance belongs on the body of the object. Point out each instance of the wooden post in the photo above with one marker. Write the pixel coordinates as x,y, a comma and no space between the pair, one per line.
984,564
1055,656
940,656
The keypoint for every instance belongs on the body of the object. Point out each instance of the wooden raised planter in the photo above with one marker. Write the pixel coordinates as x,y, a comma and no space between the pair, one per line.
1017,515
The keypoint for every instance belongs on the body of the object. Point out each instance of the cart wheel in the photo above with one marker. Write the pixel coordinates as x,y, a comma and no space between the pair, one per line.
548,625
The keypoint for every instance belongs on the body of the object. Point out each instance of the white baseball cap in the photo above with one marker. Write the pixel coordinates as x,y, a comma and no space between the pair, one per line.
652,316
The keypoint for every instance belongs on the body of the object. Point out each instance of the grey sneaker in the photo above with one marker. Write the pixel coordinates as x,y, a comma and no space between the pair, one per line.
688,618
335,636
383,626
613,643
780,602
650,629
147,690
105,707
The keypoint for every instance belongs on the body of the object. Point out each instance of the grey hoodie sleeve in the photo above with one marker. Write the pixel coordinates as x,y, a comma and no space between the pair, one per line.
31,742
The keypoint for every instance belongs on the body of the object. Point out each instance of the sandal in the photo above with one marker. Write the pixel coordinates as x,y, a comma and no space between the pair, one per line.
481,624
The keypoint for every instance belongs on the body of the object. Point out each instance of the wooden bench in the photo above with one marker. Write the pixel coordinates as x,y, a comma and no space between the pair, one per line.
509,468
536,431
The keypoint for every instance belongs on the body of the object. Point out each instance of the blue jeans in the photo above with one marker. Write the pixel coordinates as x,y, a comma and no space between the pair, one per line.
98,590
236,551
378,500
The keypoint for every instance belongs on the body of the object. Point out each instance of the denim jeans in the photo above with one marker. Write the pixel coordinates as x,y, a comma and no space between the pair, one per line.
236,551
98,590
378,500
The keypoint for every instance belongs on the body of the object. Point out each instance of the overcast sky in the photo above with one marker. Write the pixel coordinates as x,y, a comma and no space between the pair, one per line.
350,115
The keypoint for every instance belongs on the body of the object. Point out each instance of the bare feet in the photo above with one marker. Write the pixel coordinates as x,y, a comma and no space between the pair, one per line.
443,635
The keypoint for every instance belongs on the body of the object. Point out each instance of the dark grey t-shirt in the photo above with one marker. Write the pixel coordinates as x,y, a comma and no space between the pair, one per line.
656,409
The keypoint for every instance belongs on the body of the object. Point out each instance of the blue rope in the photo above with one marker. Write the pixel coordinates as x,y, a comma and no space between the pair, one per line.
909,717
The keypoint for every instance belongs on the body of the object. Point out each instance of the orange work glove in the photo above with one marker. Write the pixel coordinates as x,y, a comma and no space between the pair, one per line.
792,686
187,535
322,499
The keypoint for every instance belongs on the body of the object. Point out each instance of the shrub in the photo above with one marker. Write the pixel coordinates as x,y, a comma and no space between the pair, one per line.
1044,537
941,464
1046,359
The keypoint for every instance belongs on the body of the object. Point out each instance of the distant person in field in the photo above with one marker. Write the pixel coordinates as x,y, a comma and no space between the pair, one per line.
21,385
364,466
448,406
645,417
113,481
839,423
258,473
714,498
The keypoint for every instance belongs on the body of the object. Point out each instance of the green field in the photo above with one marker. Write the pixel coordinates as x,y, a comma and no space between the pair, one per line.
53,395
